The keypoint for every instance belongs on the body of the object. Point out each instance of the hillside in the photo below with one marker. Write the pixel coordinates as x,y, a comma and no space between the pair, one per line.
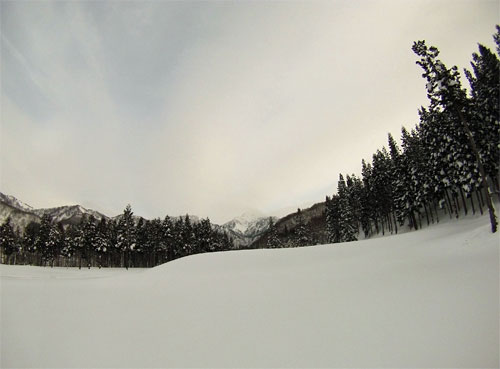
20,218
421,299
313,217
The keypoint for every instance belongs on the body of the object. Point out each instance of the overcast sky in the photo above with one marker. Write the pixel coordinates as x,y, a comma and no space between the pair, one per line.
212,108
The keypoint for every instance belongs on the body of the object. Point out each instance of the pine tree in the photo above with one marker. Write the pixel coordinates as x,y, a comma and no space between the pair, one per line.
354,194
485,102
8,240
30,238
168,239
188,237
141,232
155,243
126,236
204,238
332,219
302,234
382,188
88,239
178,241
273,240
446,95
347,221
368,202
43,238
70,244
102,242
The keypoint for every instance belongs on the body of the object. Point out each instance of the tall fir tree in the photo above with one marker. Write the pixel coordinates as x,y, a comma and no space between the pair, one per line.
273,240
126,236
8,240
347,221
446,95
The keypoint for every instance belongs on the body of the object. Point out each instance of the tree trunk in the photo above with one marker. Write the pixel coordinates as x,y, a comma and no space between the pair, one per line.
472,204
484,182
450,206
463,201
479,202
457,206
426,215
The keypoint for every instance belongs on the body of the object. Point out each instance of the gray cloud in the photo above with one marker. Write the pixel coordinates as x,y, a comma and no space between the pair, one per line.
211,108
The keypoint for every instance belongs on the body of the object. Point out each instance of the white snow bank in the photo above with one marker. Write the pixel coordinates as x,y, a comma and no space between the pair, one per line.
422,299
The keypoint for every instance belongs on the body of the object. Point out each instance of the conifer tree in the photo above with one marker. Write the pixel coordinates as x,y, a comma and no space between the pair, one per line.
332,219
43,238
168,238
347,230
8,240
30,236
188,237
204,239
273,240
302,234
368,202
155,242
485,123
70,244
126,236
382,188
446,95
102,241
88,239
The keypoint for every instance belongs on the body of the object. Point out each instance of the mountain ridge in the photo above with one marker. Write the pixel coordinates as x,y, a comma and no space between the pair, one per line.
244,229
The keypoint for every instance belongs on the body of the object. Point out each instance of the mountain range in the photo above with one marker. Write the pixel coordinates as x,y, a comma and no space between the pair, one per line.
244,230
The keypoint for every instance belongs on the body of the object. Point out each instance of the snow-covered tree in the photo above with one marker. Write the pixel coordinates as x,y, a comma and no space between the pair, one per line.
332,219
126,236
168,238
102,241
8,240
485,102
273,240
347,221
204,237
446,95
188,237
302,233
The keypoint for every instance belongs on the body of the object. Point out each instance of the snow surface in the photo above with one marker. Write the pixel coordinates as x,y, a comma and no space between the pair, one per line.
421,299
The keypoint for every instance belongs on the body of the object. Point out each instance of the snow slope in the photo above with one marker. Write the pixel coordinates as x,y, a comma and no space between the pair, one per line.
422,299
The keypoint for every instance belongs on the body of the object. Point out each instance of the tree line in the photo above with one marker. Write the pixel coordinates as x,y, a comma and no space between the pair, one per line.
123,242
449,162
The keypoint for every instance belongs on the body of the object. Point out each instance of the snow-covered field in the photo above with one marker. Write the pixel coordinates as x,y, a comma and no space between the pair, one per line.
421,299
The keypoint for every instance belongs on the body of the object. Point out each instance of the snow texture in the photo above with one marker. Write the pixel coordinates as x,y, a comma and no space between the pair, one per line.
421,299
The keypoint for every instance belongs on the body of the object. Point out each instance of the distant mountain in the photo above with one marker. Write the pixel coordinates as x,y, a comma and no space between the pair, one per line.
15,203
247,228
244,229
70,214
314,217
20,218
21,214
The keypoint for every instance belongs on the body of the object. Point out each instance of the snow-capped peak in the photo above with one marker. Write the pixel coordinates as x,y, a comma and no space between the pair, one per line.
15,203
247,227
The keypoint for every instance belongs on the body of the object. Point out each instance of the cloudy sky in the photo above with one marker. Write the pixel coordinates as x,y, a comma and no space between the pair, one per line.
212,108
